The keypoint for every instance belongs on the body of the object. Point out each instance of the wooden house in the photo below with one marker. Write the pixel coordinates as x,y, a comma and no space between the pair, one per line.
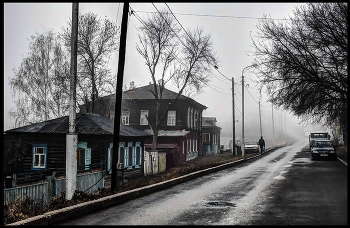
182,124
42,146
210,136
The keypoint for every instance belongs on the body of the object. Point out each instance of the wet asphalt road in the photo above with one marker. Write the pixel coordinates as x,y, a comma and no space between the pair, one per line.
283,187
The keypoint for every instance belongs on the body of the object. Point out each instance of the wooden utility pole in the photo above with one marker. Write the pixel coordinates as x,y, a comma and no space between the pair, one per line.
233,120
72,137
118,98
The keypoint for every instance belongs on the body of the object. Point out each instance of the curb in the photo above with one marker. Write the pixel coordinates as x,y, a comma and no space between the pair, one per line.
53,217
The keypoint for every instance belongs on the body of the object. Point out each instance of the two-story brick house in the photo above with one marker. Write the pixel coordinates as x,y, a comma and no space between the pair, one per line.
182,126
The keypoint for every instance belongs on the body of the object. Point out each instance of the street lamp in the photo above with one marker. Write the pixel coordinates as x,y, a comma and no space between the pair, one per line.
243,142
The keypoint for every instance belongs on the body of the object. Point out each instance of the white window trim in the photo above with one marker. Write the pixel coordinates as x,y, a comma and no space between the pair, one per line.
125,117
144,117
188,117
172,117
35,147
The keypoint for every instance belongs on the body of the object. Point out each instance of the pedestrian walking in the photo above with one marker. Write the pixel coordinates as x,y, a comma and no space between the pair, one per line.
262,145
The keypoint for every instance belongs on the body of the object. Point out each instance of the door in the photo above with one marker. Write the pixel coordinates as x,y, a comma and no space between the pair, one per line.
80,156
87,158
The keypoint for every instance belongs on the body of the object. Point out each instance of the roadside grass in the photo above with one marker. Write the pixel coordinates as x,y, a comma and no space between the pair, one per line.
27,208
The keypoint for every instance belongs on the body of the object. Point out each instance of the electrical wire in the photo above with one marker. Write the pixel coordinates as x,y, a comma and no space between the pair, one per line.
141,21
215,67
222,16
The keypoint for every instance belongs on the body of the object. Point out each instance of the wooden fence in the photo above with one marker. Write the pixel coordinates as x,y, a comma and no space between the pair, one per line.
50,187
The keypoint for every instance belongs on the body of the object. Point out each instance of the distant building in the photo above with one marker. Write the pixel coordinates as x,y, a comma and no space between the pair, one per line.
210,136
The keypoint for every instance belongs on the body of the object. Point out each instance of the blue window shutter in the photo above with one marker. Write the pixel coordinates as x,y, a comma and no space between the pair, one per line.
109,161
87,158
126,156
138,144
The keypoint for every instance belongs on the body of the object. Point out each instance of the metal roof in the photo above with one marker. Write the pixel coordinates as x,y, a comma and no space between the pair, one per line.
209,122
86,123
175,133
162,146
144,93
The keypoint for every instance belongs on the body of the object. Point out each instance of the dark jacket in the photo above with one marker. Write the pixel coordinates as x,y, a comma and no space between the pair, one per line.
261,142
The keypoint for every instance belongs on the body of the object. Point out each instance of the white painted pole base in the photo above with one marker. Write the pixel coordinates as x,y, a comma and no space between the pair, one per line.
71,165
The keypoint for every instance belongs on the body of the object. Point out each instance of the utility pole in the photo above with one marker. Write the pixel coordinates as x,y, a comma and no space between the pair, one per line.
72,137
243,143
118,98
233,120
260,120
273,129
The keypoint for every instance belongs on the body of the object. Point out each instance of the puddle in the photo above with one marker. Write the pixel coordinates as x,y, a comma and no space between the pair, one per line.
287,166
301,160
282,172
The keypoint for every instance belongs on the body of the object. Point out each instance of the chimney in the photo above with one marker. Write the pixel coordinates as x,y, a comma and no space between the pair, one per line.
132,85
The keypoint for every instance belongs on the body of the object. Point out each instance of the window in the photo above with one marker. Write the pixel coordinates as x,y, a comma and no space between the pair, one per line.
111,114
191,113
196,145
125,117
193,148
39,156
188,117
206,137
130,156
188,148
195,119
138,156
172,118
143,120
80,156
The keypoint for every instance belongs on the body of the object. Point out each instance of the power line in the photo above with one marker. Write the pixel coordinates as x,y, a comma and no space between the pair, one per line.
215,67
222,16
141,21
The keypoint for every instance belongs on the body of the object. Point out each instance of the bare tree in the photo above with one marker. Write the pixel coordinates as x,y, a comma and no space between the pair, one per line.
303,62
34,80
97,40
186,66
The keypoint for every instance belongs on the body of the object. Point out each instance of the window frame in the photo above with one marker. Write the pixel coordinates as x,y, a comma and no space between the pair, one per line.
204,140
172,117
34,147
125,118
144,117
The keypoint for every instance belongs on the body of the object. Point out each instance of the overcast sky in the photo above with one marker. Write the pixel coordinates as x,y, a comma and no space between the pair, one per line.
229,24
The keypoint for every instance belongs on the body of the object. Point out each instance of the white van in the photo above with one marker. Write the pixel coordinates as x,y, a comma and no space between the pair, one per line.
318,135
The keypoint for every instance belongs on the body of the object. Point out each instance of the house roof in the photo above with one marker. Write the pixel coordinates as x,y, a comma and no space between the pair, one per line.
86,123
175,133
162,146
144,93
209,122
